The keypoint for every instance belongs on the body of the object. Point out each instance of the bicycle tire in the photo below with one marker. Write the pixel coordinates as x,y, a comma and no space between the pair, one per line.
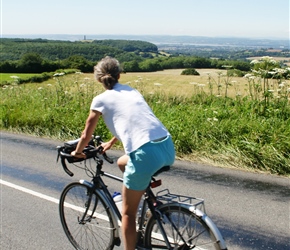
95,230
196,233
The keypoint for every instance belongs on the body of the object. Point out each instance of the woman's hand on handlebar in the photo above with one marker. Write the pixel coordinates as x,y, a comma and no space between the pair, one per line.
78,155
107,145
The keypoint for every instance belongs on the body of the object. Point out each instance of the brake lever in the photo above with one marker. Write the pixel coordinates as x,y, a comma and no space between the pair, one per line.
58,152
107,158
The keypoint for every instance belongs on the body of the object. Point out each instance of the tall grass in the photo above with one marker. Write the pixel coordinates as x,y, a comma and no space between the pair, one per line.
206,124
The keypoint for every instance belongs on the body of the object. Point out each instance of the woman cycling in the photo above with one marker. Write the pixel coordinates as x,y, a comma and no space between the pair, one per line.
147,143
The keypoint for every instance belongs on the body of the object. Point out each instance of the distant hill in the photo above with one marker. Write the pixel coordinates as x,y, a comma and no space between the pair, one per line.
93,50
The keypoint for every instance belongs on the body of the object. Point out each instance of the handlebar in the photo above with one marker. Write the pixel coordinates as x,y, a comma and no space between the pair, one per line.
91,151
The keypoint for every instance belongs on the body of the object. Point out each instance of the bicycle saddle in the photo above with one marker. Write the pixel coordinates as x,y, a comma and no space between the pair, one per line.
163,169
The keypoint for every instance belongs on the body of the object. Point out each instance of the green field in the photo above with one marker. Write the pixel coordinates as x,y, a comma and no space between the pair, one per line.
229,122
12,77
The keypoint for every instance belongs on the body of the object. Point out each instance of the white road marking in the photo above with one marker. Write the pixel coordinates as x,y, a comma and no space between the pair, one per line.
48,198
29,191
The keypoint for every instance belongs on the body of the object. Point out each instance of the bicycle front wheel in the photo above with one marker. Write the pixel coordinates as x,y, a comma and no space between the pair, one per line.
85,218
184,230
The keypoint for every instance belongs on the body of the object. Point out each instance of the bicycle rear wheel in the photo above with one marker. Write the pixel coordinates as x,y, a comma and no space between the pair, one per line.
85,218
184,229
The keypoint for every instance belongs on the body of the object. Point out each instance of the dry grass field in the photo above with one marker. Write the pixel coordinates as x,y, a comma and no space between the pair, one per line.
171,82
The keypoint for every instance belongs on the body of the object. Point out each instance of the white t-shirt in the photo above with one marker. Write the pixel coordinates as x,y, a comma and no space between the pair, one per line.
128,117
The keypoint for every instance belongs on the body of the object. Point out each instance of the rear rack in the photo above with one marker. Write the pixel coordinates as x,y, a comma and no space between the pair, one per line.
166,197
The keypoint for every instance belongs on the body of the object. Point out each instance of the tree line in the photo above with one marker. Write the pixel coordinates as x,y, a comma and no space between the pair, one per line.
34,63
39,55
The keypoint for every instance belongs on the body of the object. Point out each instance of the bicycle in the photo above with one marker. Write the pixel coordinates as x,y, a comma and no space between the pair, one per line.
91,219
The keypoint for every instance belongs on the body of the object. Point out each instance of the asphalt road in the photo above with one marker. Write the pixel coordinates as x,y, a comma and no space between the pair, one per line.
252,210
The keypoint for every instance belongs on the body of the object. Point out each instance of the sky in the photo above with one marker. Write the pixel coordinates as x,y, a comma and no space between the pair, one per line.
212,18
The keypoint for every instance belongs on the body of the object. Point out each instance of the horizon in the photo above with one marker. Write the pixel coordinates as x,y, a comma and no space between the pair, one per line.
249,19
139,35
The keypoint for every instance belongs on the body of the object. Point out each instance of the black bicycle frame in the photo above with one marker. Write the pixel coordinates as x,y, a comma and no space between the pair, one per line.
149,199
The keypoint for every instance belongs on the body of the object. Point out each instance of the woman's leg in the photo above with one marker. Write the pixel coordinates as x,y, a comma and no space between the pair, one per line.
122,162
131,199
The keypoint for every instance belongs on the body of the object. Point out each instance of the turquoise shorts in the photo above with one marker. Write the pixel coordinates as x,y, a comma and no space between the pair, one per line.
144,162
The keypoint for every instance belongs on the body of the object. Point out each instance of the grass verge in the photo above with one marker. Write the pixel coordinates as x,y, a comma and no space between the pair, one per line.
239,131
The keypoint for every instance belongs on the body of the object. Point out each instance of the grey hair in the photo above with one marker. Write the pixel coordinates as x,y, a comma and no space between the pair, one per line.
107,71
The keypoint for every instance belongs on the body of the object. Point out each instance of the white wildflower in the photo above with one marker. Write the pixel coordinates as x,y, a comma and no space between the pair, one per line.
15,77
254,62
157,84
49,85
280,71
215,119
281,85
40,88
266,58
